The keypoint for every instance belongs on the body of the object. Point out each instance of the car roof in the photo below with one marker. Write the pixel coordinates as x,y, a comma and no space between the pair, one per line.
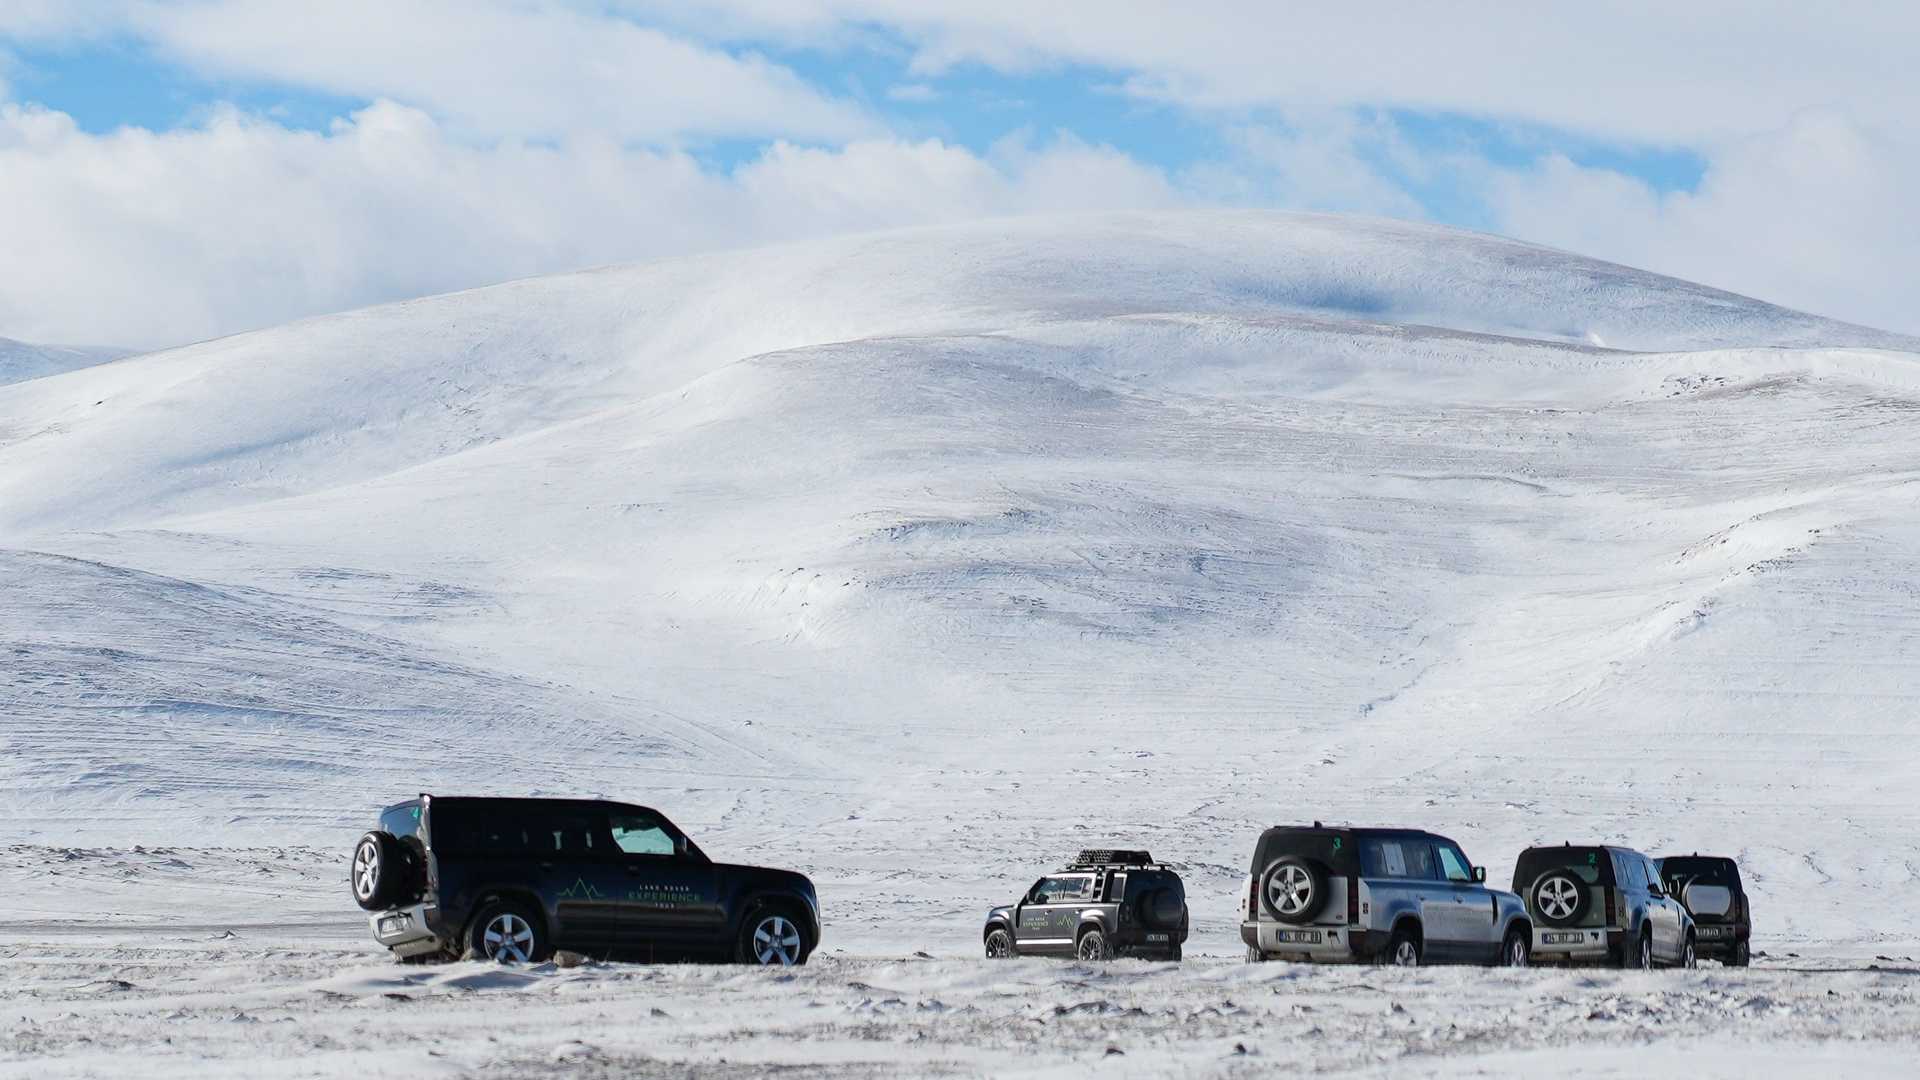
1351,830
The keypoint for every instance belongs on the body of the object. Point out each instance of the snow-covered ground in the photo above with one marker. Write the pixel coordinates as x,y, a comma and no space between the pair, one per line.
20,361
920,560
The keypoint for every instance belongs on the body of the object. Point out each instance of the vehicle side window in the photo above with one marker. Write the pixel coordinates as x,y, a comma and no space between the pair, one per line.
1649,873
1398,859
641,834
1628,872
1453,863
567,832
1116,887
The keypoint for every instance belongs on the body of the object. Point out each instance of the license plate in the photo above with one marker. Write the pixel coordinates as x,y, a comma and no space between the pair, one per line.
1562,939
1156,937
1302,937
392,924
1713,931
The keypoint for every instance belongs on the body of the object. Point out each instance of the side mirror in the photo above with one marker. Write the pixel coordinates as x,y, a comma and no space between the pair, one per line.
1480,874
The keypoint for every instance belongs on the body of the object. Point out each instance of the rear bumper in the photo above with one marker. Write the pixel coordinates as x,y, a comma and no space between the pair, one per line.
1336,944
1718,938
1595,943
410,931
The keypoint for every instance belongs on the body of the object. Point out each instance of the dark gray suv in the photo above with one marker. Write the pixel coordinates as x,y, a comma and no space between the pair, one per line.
1105,904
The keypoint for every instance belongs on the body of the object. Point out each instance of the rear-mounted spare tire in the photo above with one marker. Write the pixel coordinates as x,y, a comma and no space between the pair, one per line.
1294,889
1163,908
384,871
1559,897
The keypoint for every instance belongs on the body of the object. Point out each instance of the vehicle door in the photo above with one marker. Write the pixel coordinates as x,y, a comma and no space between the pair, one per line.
571,849
1046,920
1473,926
1669,938
1401,878
670,903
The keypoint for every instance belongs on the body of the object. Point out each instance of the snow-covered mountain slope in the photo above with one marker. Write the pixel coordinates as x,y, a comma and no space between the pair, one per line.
995,541
20,361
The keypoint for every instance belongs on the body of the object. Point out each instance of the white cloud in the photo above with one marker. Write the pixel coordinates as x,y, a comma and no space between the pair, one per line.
147,239
537,69
1818,214
1642,70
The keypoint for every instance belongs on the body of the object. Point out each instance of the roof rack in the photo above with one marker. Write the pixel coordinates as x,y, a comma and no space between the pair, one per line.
1111,857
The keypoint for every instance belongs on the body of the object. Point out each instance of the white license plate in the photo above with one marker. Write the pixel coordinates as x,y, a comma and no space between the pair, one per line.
1562,939
1713,931
1302,937
1156,937
392,924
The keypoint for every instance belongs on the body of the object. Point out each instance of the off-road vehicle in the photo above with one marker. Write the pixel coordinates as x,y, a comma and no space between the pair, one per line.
1391,896
515,879
1709,886
1106,903
1601,904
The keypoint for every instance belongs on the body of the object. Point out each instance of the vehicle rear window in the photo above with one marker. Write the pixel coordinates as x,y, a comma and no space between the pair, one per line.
1334,848
402,821
1700,870
1590,864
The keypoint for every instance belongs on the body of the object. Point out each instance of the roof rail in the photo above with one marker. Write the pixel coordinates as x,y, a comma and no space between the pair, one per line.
1112,857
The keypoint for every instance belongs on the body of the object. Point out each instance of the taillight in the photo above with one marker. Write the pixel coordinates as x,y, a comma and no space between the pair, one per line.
1610,908
1353,899
1253,898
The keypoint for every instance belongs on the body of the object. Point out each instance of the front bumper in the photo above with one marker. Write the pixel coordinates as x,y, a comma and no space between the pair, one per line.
410,931
1335,944
1591,943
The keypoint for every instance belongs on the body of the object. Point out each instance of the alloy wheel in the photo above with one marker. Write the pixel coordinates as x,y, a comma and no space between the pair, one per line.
508,939
1518,955
1558,897
1290,890
776,942
999,945
1406,954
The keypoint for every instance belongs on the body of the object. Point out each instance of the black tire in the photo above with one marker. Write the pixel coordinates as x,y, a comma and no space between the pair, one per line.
1294,889
1092,945
1742,955
382,871
1255,956
1551,894
1404,948
1173,954
1690,953
1637,955
508,932
1517,950
999,944
774,935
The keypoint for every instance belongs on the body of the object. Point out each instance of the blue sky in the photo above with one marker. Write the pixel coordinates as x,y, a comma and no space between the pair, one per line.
313,158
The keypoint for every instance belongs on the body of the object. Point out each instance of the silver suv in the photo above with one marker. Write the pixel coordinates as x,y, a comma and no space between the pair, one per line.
1602,904
1391,896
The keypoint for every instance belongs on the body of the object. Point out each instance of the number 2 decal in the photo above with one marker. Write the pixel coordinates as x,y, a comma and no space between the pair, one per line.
1593,858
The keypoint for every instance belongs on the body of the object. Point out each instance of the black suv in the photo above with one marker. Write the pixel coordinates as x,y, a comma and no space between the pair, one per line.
1105,904
516,879
1709,885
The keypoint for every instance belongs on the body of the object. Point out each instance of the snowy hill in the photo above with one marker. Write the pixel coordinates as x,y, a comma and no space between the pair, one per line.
931,539
20,361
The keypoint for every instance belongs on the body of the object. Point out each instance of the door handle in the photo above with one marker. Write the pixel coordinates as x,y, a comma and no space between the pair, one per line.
546,866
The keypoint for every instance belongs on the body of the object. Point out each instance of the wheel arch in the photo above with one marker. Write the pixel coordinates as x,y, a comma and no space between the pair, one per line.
526,898
996,923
